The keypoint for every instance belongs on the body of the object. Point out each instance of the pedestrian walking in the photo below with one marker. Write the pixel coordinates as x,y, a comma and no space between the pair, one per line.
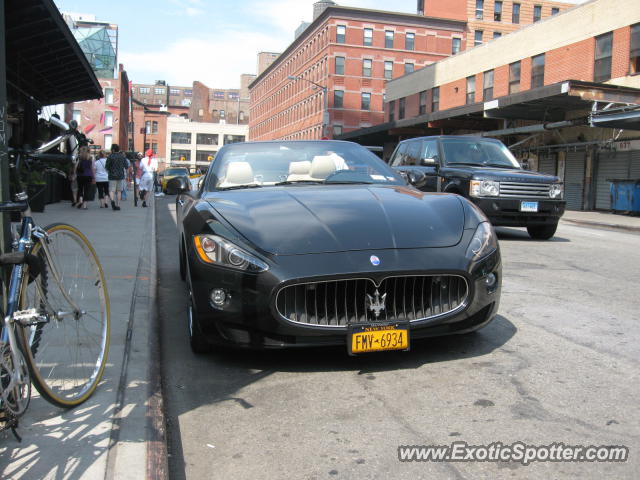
146,178
102,179
116,168
85,176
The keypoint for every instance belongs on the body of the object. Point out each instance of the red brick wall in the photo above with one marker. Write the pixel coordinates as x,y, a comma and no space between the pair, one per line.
621,52
571,62
456,9
501,81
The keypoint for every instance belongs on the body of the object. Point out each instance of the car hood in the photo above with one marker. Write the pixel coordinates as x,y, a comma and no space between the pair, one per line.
504,174
318,219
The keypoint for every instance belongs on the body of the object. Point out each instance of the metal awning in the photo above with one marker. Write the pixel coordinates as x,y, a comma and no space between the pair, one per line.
44,60
625,120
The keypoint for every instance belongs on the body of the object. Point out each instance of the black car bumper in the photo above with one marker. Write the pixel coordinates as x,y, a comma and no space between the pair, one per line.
250,318
508,211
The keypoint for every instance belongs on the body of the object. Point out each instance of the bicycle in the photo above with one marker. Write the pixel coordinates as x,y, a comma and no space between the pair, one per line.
55,332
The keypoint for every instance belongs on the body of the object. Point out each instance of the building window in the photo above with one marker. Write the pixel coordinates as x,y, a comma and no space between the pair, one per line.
233,139
471,90
409,41
455,45
366,101
368,37
147,127
408,67
388,39
497,11
423,103
108,118
147,146
108,141
555,10
337,130
207,138
388,70
77,116
205,155
174,91
181,137
241,116
366,67
187,93
537,71
145,90
537,12
477,38
392,110
487,86
180,155
479,9
602,66
634,53
154,148
158,91
219,95
514,77
339,65
435,99
341,32
338,99
401,106
154,127
497,35
108,96
515,14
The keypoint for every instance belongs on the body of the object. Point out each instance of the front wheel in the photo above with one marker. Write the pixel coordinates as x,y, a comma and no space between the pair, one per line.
542,232
66,343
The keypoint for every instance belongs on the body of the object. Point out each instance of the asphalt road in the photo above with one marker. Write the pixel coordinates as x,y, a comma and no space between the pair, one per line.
559,364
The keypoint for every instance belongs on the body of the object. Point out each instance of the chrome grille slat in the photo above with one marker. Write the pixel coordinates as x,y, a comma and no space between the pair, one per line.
411,297
531,190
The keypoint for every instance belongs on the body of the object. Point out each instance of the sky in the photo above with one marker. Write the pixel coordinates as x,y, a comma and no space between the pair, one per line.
212,41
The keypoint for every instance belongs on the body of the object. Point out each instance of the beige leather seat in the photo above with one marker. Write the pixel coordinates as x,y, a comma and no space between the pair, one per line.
321,167
299,171
238,173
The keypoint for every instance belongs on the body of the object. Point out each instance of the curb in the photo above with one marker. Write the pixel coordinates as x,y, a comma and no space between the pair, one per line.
157,454
615,226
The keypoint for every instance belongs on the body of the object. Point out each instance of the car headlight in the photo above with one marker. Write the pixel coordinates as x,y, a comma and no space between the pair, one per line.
216,250
555,190
484,241
484,188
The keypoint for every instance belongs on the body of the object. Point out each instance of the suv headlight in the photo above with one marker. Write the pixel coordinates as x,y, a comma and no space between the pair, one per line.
555,190
484,188
216,250
484,242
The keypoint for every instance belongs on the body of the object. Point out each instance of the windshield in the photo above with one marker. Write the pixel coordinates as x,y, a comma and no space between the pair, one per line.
266,164
176,171
472,151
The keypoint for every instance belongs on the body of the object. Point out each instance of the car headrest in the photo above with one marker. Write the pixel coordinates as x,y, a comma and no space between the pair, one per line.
322,166
300,168
238,173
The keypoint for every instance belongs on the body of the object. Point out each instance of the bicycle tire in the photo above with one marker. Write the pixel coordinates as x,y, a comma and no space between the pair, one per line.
65,357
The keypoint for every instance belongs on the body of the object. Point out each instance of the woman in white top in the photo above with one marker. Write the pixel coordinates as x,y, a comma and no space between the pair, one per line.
146,179
102,179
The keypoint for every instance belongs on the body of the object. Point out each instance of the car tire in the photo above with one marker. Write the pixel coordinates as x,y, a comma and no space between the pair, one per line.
542,232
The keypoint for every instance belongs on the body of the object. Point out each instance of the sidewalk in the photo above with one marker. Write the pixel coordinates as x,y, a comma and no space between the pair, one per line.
108,437
603,219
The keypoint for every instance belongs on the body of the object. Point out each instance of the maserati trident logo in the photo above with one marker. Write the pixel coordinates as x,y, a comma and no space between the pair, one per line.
375,261
376,303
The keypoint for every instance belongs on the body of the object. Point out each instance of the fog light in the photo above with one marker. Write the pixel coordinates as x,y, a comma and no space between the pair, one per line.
218,297
490,280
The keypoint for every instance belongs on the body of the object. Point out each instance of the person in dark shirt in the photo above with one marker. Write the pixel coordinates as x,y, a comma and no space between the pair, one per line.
85,175
116,166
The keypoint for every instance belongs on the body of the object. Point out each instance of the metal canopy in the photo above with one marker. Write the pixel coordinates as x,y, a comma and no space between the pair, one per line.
44,61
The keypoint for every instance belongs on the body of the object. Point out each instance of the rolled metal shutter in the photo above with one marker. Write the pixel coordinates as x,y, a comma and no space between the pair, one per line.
634,169
574,180
611,165
547,164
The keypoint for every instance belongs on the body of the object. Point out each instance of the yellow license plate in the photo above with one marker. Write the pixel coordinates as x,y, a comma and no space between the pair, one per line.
379,338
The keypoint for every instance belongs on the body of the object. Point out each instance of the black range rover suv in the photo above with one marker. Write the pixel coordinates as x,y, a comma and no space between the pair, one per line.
484,171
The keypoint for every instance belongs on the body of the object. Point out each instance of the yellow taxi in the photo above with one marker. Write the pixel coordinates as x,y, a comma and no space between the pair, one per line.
173,172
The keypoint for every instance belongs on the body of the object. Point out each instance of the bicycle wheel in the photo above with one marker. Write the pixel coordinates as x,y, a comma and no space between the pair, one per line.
67,347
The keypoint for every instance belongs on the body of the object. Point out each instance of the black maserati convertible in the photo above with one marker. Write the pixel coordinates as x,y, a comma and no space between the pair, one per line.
311,243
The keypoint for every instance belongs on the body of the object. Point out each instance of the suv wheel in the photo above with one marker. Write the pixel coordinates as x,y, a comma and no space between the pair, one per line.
542,232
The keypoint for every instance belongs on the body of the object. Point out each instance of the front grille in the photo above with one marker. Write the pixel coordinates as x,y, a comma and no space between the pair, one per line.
343,302
529,190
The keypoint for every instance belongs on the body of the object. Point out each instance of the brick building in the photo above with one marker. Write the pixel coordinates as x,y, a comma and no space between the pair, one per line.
564,93
489,19
350,54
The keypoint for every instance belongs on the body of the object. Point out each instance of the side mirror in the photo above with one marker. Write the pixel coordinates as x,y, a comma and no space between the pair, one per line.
429,162
177,185
417,179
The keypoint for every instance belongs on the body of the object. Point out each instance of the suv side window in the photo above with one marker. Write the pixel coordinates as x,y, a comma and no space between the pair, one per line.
398,158
429,152
413,153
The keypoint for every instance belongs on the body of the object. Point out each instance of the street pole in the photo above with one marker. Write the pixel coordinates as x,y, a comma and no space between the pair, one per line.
5,223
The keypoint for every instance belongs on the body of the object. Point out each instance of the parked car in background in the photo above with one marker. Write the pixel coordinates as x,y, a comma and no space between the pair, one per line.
173,172
316,243
484,171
